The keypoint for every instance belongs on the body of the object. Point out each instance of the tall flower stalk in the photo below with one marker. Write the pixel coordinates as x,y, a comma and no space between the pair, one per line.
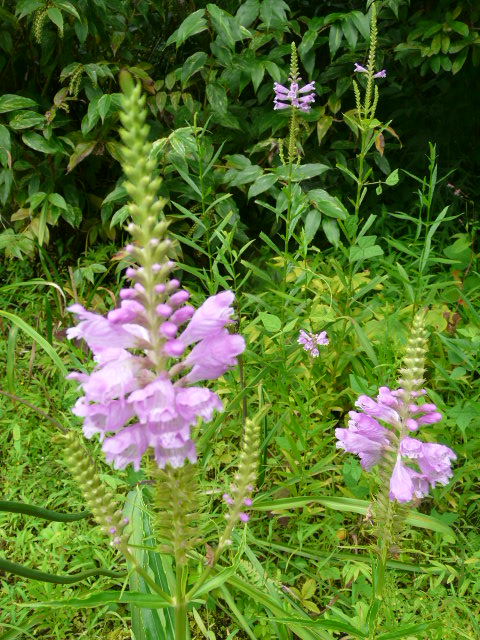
408,466
296,98
143,396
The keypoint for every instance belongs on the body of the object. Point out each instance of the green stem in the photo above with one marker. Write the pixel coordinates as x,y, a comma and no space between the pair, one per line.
141,571
180,605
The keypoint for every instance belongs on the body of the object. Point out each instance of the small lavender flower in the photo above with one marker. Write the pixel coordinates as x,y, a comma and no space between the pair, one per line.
311,340
367,438
359,69
286,97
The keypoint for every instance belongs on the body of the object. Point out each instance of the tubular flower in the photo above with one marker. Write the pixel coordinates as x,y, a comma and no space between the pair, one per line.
419,465
295,96
126,386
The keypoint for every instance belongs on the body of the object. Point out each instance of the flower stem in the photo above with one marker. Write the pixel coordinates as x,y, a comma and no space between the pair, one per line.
180,605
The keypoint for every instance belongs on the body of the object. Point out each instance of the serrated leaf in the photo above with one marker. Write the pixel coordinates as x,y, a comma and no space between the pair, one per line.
308,589
11,102
334,39
323,125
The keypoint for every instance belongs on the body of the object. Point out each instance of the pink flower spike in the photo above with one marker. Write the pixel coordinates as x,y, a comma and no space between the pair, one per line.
227,498
244,517
247,502
381,74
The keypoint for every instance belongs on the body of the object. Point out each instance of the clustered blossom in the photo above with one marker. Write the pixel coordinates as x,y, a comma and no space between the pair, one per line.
359,69
294,95
370,440
311,340
141,388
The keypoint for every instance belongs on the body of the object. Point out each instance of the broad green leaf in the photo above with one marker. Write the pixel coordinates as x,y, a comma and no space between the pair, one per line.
327,204
270,322
26,119
409,631
193,24
224,25
58,201
39,143
147,624
274,14
302,172
217,97
261,184
250,174
335,39
323,125
192,65
5,146
56,17
25,7
104,105
82,150
312,223
392,179
68,7
11,102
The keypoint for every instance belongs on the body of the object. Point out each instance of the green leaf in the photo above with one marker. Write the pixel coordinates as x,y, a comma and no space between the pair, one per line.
404,631
82,150
68,7
56,17
25,7
58,201
249,174
459,60
217,97
327,204
323,125
312,223
302,172
104,105
39,143
335,39
25,120
364,341
392,179
224,25
147,624
273,13
193,24
40,340
11,102
144,600
261,184
192,65
270,322
5,146
331,230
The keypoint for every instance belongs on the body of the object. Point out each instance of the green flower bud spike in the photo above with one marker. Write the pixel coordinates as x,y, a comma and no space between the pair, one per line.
244,483
99,499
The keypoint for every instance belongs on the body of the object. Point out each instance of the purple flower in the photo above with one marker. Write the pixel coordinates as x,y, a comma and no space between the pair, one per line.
311,340
359,69
419,465
124,387
286,97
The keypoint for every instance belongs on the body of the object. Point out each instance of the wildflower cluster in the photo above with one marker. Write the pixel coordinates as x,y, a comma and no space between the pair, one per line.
151,350
310,341
371,441
295,96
